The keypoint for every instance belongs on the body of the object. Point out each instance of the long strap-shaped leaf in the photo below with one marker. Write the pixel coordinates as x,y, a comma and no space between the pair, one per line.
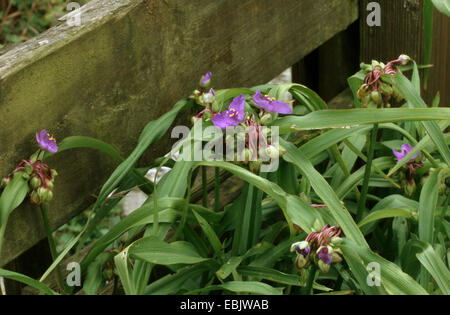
325,119
325,192
413,97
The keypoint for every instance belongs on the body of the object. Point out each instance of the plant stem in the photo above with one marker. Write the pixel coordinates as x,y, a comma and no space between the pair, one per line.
310,280
51,243
368,171
204,187
217,190
344,169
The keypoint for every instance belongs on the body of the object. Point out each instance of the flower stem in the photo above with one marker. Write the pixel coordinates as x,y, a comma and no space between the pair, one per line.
217,189
204,187
51,243
368,171
308,290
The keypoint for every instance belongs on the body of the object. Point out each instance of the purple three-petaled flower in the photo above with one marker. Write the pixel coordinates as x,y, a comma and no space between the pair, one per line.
233,116
270,104
324,255
46,141
406,148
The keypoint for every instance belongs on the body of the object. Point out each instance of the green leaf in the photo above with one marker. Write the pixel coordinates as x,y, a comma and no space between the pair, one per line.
154,250
243,287
86,142
406,88
393,279
325,192
435,266
386,213
27,280
443,6
326,119
270,274
209,232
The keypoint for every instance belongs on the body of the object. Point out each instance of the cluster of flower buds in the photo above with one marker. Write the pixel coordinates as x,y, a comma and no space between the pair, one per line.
40,179
320,248
376,91
39,175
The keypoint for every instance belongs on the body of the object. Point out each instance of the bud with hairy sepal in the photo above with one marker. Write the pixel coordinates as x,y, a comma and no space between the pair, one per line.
301,262
325,268
35,183
255,166
34,198
410,187
336,241
42,193
376,98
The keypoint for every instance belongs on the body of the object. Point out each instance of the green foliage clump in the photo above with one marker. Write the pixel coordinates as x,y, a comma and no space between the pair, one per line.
24,19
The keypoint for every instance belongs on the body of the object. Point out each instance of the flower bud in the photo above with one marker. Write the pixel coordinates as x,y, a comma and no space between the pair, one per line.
376,98
266,119
28,169
365,101
410,188
387,90
34,198
336,259
42,193
25,176
325,268
255,166
404,59
35,182
50,185
205,81
4,182
363,91
301,262
54,173
336,240
49,196
272,152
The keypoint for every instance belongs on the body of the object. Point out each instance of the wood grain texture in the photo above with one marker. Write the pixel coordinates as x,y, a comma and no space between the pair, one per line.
401,32
127,64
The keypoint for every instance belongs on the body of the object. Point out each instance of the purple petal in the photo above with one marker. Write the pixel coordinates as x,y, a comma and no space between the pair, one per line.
46,142
325,256
238,106
405,149
206,78
269,105
223,120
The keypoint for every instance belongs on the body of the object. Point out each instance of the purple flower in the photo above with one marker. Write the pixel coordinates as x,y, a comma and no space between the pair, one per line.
206,79
270,104
233,116
46,141
406,148
324,255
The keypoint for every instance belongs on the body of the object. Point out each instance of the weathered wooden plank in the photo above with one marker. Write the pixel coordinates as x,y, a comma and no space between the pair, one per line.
401,32
126,64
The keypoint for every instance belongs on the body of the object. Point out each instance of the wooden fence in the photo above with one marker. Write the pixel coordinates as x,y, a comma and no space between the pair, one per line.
129,61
